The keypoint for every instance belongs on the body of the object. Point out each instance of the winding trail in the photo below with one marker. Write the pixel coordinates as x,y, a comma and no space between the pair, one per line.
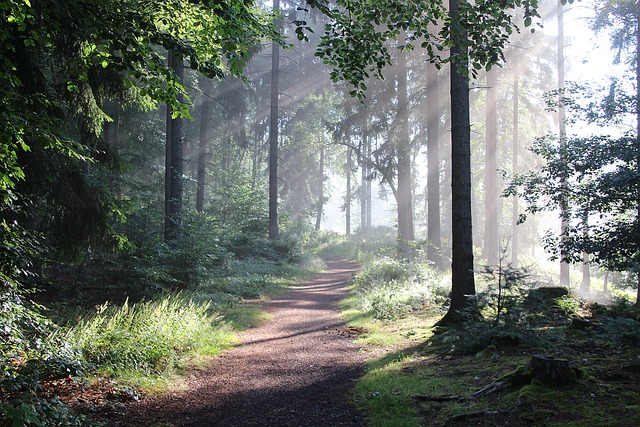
296,369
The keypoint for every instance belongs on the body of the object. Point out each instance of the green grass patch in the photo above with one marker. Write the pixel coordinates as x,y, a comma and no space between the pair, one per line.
245,315
148,338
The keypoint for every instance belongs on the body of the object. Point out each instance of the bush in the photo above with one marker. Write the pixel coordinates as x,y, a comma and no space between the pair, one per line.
389,288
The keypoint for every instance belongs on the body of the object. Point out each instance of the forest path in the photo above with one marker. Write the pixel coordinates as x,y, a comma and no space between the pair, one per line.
295,369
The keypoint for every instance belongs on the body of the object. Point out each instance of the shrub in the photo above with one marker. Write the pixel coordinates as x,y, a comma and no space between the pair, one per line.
389,288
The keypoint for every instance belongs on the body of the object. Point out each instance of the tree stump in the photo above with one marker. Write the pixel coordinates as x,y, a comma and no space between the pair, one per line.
552,371
545,369
580,324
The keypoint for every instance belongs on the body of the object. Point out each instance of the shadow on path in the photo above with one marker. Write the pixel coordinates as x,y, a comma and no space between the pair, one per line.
293,370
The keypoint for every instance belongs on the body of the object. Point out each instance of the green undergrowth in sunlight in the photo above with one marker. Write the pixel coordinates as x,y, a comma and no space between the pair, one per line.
360,246
147,343
148,338
417,377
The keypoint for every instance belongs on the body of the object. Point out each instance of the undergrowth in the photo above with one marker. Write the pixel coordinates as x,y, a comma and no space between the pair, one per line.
147,337
421,375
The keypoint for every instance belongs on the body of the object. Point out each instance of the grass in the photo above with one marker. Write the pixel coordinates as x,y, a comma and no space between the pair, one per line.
149,343
414,378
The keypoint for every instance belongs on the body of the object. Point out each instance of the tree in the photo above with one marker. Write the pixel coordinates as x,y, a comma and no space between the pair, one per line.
203,141
355,46
273,135
175,159
491,236
562,134
623,19
599,170
404,169
434,237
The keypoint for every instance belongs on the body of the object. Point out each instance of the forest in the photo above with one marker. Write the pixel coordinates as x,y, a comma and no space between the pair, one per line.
170,167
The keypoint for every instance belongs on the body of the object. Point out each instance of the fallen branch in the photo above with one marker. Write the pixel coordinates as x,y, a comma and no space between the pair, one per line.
492,388
485,413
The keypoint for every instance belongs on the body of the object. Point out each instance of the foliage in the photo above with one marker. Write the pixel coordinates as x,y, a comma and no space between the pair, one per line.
389,288
355,41
621,20
598,177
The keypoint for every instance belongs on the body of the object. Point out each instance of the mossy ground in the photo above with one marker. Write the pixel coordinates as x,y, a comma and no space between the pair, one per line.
413,381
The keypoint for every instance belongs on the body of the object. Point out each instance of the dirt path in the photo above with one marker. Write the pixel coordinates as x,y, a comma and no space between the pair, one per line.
295,369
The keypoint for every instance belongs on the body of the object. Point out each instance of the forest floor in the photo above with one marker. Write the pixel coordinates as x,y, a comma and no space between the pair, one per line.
295,369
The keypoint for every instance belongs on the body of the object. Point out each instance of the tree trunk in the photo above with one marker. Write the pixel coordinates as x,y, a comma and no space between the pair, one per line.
638,134
273,136
434,236
176,150
491,172
515,240
347,201
586,271
462,278
205,112
320,184
363,180
404,199
564,208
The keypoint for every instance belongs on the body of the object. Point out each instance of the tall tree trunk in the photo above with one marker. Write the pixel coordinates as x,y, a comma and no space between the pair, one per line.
462,279
638,133
491,172
562,134
368,181
205,112
434,234
173,218
273,135
586,271
515,240
404,199
363,179
320,184
347,201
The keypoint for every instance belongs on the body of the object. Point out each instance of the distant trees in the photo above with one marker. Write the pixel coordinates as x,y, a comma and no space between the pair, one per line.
596,176
354,45
59,173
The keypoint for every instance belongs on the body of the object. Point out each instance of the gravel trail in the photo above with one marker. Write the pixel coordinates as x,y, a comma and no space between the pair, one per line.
295,369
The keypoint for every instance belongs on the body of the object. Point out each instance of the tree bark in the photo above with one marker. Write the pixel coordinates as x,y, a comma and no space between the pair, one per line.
365,194
176,161
637,60
347,197
320,184
403,146
462,277
515,240
562,134
205,112
273,136
434,233
586,270
491,172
